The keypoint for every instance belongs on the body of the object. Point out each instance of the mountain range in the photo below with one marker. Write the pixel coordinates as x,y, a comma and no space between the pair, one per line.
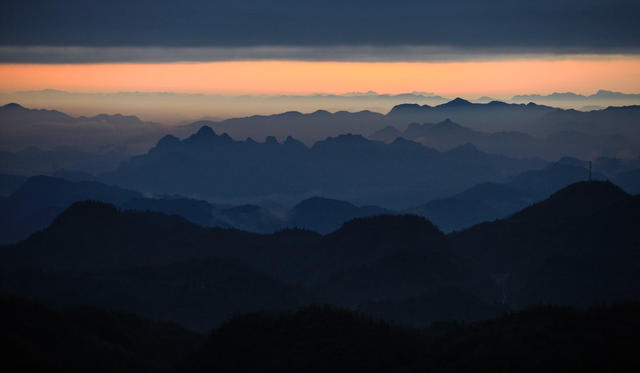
35,202
348,167
577,247
569,99
44,338
494,116
491,201
32,204
50,128
447,134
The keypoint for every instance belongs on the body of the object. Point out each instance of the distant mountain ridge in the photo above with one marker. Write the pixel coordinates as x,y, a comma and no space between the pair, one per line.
17,112
602,94
491,201
568,140
36,201
348,167
23,127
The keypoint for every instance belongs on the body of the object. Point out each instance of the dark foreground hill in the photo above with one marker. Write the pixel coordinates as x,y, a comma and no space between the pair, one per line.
39,199
579,247
321,339
36,201
165,267
490,201
37,338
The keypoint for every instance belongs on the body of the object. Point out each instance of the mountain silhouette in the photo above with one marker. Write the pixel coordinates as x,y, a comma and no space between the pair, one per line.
330,339
49,129
324,215
491,117
387,134
491,201
40,199
215,167
578,247
39,337
557,142
574,238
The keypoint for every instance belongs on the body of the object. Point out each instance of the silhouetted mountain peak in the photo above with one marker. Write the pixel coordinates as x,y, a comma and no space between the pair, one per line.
404,142
321,113
497,103
385,134
116,118
291,142
589,190
168,141
456,102
447,124
321,202
290,114
395,225
13,106
207,136
271,140
407,109
80,213
206,131
576,200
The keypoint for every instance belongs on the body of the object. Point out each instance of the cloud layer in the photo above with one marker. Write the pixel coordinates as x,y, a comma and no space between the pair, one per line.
589,25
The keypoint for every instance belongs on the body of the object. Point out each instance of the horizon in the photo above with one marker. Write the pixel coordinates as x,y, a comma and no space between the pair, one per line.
217,107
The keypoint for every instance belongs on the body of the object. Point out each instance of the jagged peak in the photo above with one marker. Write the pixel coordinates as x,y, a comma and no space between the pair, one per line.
290,141
456,102
168,140
206,131
447,123
271,140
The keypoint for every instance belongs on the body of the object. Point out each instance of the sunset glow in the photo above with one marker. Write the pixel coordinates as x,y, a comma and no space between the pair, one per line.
283,77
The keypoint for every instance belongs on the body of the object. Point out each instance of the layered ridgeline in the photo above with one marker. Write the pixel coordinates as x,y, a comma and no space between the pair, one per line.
47,129
55,140
578,247
35,202
491,201
518,130
347,167
581,137
494,116
322,339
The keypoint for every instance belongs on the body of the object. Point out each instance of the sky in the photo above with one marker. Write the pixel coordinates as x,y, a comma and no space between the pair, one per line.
452,48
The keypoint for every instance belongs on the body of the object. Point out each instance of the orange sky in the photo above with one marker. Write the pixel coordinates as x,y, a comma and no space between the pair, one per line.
580,75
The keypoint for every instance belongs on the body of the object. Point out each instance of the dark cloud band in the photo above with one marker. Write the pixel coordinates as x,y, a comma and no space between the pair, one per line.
61,54
593,25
